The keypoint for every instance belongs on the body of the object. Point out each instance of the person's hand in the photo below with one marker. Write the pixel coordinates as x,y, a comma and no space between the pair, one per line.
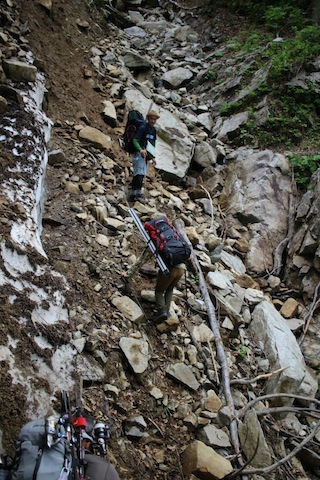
143,153
154,161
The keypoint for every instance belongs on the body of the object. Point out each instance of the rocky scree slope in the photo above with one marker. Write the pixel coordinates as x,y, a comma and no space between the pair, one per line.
66,314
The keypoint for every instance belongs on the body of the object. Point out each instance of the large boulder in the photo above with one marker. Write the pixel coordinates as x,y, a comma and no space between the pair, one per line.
257,192
282,351
304,250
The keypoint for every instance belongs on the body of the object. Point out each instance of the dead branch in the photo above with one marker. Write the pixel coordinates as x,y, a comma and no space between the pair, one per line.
218,342
223,219
156,426
211,206
182,7
278,253
306,411
214,362
285,459
249,381
238,471
315,302
120,19
243,411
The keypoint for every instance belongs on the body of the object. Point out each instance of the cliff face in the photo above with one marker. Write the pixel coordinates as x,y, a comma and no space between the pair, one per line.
70,73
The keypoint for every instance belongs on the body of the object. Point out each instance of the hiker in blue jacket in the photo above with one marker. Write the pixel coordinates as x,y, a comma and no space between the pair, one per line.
144,143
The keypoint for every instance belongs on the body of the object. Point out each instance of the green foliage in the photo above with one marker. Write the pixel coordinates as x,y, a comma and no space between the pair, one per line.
218,53
242,351
252,43
303,168
228,108
289,55
294,112
210,75
195,279
255,11
288,17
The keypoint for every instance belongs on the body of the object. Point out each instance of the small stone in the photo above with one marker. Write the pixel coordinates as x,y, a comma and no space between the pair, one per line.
212,402
156,393
289,308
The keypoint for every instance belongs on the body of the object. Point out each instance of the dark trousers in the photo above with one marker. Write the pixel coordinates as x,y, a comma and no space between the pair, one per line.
136,189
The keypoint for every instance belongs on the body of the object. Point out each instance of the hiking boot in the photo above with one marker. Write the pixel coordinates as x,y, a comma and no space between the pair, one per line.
141,199
132,199
163,314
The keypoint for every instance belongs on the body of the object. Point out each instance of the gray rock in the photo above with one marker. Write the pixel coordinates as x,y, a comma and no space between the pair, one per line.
95,136
56,157
19,71
253,442
230,128
204,155
183,374
136,62
213,436
136,352
109,113
135,32
282,351
177,77
257,193
128,308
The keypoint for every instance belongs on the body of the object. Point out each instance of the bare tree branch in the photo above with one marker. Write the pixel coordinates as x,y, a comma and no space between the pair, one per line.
249,381
243,411
306,411
278,253
315,302
218,341
285,459
211,205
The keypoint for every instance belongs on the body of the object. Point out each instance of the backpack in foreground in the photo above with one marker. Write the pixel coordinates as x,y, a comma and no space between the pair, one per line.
42,452
134,121
5,470
170,244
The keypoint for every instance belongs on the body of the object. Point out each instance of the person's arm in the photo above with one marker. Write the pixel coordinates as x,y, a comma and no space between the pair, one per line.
137,145
144,257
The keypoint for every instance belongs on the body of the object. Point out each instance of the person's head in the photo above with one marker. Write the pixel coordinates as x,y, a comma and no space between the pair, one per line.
152,117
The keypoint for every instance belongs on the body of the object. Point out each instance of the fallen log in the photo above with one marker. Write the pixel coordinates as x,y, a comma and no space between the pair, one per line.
225,380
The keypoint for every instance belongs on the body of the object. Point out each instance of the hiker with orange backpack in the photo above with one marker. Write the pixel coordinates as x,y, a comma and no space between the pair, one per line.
174,251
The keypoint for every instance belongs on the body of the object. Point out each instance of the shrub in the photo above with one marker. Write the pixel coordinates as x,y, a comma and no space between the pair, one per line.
303,168
277,18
